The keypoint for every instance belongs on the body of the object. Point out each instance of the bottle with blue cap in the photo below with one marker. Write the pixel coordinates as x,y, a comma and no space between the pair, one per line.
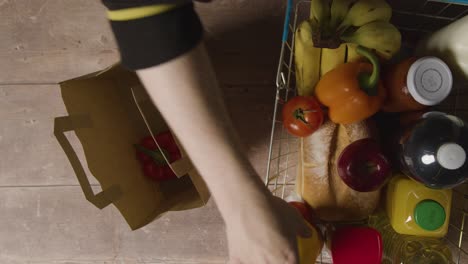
434,151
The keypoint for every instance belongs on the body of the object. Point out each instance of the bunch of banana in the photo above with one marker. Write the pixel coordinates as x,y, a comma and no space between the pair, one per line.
334,30
307,59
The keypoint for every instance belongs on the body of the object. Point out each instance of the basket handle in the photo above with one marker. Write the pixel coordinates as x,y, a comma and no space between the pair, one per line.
286,20
70,123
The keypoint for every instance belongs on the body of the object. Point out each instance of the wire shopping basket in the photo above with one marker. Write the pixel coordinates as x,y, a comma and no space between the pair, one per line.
415,19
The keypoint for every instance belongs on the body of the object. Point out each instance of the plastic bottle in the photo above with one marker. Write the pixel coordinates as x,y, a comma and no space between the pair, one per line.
414,84
309,248
404,249
434,151
414,209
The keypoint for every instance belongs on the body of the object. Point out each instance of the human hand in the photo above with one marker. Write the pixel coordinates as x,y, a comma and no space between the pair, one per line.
265,232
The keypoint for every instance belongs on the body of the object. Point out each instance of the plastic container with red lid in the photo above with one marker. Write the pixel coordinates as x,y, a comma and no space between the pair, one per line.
356,245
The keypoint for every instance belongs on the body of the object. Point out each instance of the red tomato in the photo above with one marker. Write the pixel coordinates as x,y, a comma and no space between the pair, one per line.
143,157
148,142
166,141
154,165
153,171
169,174
302,115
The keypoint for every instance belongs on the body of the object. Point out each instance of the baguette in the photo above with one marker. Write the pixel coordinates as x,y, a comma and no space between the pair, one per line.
318,181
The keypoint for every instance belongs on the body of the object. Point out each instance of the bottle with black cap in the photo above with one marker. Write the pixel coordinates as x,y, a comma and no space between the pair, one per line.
434,151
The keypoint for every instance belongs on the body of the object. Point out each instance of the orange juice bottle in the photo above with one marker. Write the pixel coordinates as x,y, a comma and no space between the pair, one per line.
414,209
309,248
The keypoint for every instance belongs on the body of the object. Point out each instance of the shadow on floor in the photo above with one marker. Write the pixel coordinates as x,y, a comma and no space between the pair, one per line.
245,60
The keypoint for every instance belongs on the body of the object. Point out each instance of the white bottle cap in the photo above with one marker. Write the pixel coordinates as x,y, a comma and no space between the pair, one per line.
429,80
451,156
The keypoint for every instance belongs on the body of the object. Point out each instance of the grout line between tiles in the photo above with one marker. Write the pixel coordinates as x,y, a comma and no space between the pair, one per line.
28,83
44,186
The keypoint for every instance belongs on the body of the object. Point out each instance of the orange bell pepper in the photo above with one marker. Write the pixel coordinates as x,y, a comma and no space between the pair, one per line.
352,91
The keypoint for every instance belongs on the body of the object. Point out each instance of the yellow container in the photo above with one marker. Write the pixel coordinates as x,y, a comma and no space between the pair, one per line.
414,209
310,248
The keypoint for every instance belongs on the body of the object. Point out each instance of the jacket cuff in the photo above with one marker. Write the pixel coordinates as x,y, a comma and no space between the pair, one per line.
149,41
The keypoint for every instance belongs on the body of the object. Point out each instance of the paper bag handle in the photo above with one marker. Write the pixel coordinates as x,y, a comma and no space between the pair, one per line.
70,123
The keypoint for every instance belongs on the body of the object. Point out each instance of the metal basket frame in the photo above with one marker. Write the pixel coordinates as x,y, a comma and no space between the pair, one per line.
281,167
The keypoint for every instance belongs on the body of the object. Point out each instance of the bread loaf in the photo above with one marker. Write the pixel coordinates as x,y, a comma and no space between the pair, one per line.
318,181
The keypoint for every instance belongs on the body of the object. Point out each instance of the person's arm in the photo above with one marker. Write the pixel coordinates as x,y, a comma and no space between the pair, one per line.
186,92
173,65
261,229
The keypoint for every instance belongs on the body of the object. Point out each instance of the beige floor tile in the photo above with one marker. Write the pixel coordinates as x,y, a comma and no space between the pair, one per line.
51,41
56,225
49,223
30,153
44,217
195,235
47,41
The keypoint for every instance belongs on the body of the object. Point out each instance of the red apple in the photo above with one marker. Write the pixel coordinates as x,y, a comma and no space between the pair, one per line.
362,166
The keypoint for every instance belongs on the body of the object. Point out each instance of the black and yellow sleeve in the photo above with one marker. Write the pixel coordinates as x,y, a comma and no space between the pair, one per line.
151,32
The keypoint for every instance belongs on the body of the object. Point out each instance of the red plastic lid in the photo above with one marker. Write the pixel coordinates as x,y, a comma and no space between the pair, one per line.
357,245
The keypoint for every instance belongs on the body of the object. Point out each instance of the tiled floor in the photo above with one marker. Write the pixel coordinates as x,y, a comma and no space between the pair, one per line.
44,217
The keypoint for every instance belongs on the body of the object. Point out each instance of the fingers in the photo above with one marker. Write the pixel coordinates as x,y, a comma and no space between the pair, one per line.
284,256
291,253
304,230
293,256
234,260
290,257
299,223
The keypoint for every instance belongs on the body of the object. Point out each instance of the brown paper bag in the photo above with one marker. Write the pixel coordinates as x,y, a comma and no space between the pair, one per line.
107,110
